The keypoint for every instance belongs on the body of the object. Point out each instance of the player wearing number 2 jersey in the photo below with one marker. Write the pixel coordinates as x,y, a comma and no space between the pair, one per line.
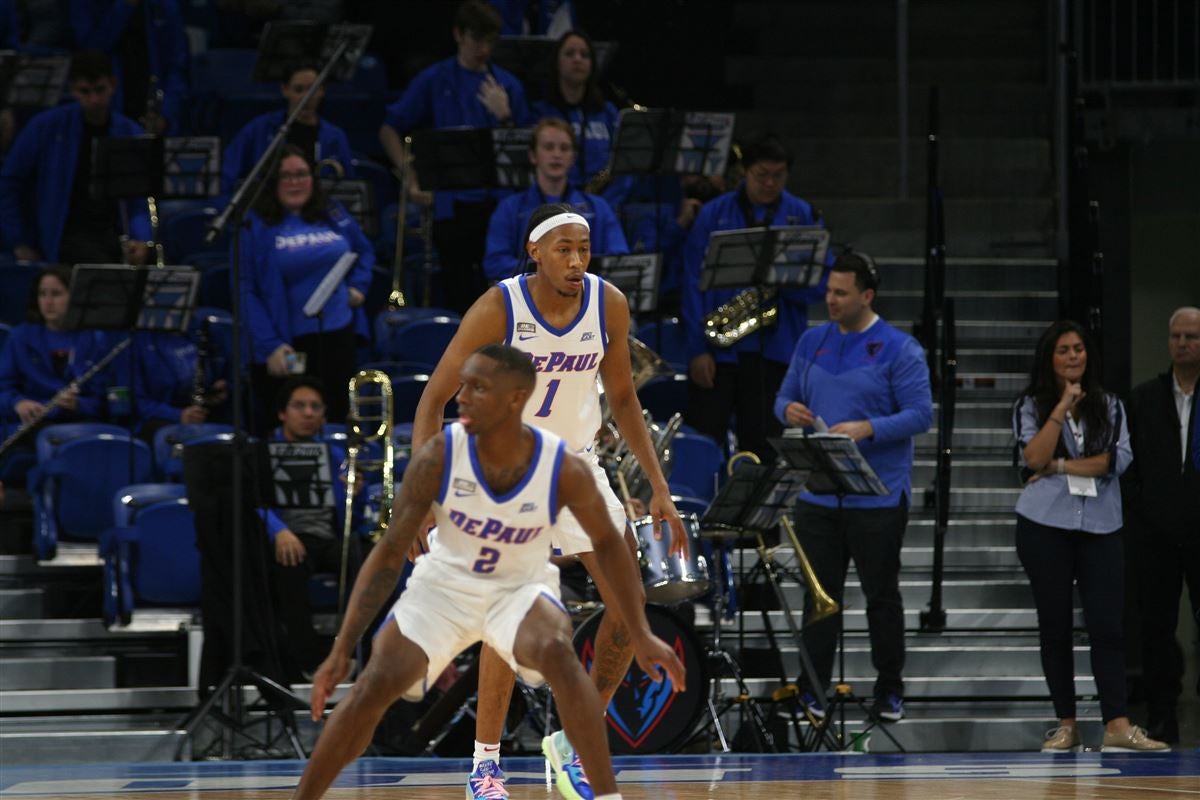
496,485
574,326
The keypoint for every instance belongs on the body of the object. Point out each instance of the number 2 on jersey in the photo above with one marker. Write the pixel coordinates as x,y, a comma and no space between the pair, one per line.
488,556
551,389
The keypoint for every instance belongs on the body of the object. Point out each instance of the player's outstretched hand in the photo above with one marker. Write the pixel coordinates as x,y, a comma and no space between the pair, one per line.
333,670
653,653
662,507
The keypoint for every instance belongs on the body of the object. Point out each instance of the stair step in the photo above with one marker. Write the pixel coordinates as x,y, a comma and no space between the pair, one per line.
967,473
145,623
937,15
972,304
789,74
949,661
1028,687
58,673
26,603
974,274
993,439
984,619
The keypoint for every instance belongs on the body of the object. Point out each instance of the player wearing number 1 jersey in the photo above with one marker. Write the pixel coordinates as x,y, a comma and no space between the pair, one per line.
574,326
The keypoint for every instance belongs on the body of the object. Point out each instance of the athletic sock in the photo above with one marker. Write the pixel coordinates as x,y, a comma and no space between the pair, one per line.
485,752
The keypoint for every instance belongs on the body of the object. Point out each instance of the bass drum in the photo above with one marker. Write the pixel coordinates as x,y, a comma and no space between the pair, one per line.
647,717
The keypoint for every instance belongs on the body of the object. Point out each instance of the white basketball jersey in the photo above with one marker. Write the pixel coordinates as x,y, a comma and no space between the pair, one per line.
503,537
567,360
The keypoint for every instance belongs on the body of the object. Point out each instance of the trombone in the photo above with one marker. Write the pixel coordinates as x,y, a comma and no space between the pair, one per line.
369,421
396,298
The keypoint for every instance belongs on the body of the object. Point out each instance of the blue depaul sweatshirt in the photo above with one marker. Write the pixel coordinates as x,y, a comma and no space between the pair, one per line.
506,229
38,174
281,266
28,369
878,375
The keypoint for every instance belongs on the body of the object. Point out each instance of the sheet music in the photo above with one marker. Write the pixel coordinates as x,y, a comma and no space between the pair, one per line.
704,143
324,290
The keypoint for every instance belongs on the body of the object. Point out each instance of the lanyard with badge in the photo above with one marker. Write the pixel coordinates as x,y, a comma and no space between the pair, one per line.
1079,485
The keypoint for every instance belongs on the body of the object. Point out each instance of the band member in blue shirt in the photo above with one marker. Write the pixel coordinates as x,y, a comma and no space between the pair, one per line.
552,152
464,91
296,237
743,377
317,138
47,212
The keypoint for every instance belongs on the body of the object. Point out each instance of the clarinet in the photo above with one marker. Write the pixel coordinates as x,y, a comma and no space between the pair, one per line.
199,393
62,393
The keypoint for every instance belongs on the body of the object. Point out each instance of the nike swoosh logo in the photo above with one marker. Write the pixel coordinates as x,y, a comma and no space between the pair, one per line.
462,494
530,336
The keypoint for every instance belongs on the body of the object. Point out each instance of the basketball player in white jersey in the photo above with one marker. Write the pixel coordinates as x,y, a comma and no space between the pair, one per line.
496,487
574,326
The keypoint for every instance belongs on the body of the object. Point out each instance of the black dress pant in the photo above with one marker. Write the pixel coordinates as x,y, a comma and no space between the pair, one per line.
746,388
872,537
331,356
302,645
1164,563
461,242
1056,560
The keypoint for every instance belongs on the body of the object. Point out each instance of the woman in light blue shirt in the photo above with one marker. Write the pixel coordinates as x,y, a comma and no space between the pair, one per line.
1073,446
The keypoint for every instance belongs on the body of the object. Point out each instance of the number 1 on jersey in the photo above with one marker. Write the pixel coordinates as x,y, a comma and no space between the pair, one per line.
551,389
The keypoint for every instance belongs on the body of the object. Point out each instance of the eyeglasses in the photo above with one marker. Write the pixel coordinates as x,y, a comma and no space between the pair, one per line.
299,405
764,175
298,175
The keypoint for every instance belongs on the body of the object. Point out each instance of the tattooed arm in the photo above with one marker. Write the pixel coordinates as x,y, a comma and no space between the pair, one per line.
381,571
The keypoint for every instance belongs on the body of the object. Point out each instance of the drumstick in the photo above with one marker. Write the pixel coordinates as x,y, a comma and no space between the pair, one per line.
627,500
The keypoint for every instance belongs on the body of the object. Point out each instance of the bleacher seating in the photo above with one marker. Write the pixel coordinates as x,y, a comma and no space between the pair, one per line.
422,340
697,465
16,279
668,340
150,551
169,441
664,395
79,467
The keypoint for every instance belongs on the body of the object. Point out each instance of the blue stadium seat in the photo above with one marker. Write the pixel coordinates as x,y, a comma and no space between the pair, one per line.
16,281
422,340
168,446
184,233
388,322
4,329
689,504
697,465
671,344
150,551
406,393
79,466
664,395
394,369
207,259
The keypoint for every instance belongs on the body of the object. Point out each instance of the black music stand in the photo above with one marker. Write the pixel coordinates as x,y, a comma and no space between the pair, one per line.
835,467
450,159
637,275
118,297
356,195
191,166
756,499
342,43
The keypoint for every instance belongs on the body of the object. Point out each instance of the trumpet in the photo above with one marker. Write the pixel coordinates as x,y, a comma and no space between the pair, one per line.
370,420
823,604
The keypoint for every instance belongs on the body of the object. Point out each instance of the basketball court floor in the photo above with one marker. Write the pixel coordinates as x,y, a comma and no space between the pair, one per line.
996,776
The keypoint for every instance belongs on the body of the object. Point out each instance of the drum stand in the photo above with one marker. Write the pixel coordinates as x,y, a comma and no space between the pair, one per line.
722,663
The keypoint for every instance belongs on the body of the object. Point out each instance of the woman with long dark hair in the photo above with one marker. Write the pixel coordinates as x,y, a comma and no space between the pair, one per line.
296,236
1074,445
573,94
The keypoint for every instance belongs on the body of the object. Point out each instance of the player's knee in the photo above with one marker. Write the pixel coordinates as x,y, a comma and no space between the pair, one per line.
555,655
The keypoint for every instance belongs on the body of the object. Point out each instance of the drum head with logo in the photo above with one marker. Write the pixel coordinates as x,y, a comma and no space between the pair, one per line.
644,716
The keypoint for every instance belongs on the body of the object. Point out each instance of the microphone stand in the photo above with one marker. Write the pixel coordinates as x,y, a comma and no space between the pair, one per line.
229,692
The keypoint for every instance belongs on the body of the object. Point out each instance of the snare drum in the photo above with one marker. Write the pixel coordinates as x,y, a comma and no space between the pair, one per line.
644,716
671,579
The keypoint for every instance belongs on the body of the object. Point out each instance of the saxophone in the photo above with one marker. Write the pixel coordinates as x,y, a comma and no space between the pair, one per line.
743,315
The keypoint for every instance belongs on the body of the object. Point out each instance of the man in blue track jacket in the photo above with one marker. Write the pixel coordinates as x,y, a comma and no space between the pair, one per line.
46,209
867,380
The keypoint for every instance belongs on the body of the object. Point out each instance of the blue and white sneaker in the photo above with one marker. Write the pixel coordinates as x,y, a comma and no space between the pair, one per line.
568,772
487,782
814,706
888,708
